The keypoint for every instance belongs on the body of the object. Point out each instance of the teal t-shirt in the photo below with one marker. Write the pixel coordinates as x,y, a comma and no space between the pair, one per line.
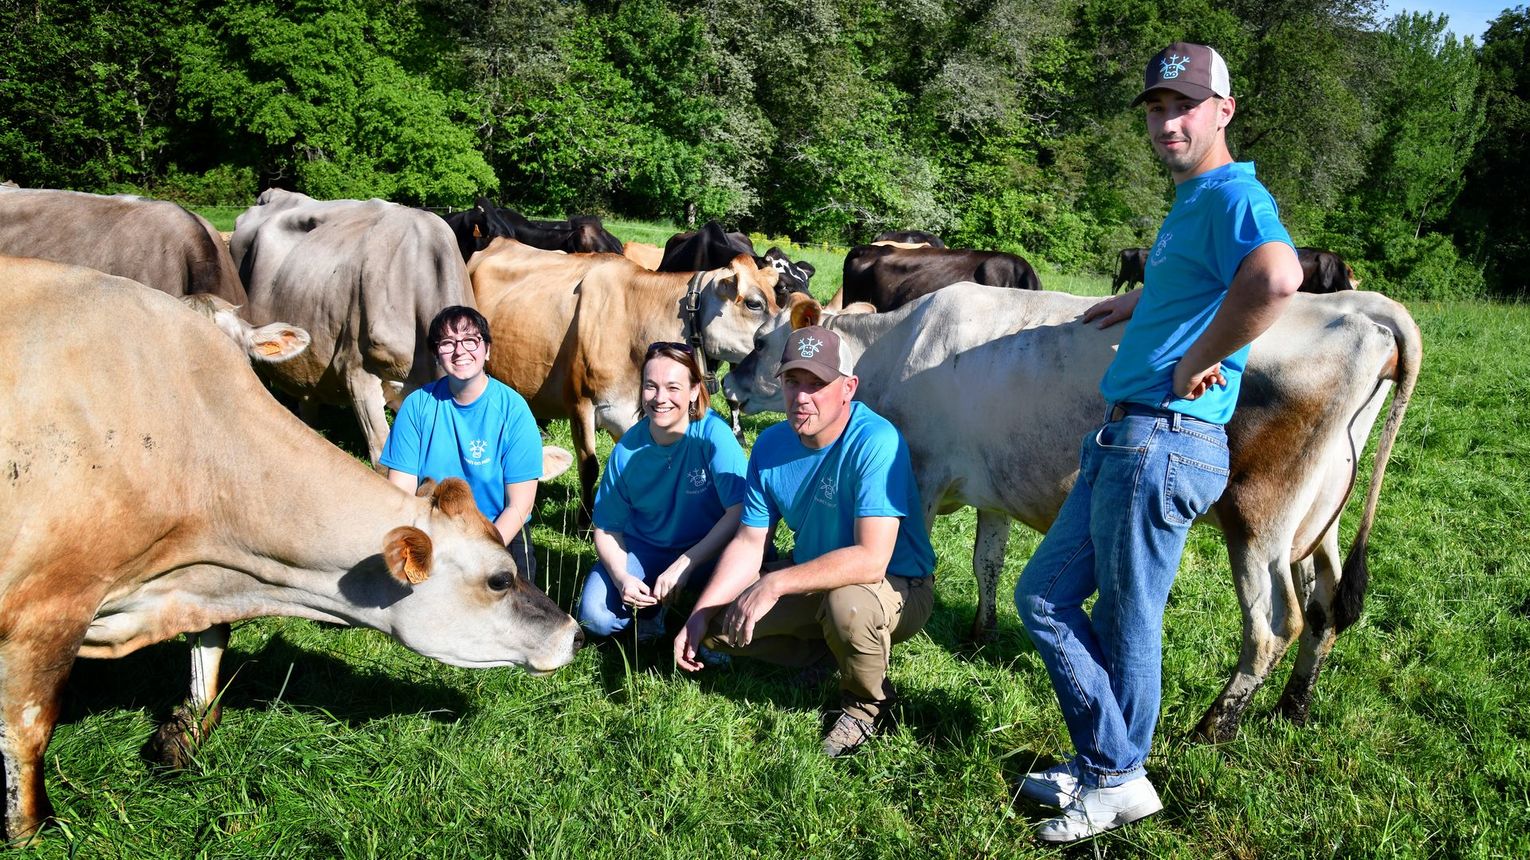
1217,219
866,472
489,443
669,496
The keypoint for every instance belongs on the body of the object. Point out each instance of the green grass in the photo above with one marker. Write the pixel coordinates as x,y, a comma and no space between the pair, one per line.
340,743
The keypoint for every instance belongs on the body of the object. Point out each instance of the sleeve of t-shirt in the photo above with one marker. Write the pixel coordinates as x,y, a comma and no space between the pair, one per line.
729,465
612,510
759,512
1252,219
402,450
884,472
521,456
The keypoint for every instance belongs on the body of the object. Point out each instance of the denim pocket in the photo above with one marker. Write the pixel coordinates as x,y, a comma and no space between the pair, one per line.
1132,433
1190,488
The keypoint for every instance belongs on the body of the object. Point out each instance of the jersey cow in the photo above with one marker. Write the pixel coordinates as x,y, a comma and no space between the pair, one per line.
365,277
214,504
1315,383
712,247
1324,271
909,239
889,276
153,242
570,331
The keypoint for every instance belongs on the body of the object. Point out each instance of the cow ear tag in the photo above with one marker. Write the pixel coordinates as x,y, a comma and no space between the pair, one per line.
407,550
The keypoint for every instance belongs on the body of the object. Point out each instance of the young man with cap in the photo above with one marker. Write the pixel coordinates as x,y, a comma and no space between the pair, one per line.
862,566
1220,272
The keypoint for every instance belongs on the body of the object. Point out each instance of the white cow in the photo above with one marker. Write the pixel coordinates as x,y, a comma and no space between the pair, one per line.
150,486
994,389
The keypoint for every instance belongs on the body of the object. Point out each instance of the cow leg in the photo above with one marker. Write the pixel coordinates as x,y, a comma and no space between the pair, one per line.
987,566
582,428
1318,634
1262,577
176,740
32,676
733,420
367,399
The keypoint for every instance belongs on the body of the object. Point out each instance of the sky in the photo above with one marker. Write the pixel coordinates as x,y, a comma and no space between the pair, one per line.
1467,17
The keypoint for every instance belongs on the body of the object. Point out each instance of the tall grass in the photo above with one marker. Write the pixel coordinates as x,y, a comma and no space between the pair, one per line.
340,743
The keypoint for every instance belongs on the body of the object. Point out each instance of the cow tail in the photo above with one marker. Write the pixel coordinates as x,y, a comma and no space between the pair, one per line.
1356,576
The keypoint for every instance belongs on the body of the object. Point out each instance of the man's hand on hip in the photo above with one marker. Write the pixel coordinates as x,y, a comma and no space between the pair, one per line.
1190,383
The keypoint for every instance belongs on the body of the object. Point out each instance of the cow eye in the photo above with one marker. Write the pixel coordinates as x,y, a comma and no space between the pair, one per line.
754,305
499,581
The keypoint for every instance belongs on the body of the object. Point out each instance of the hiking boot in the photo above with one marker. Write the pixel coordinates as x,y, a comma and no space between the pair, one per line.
1095,810
1054,786
714,659
846,735
816,673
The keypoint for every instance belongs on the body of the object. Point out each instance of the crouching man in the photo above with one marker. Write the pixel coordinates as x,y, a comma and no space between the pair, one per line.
862,567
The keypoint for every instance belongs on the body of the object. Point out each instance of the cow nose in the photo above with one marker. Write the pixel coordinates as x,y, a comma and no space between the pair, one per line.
579,638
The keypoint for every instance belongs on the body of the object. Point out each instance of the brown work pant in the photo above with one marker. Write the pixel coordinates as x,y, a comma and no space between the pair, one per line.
858,624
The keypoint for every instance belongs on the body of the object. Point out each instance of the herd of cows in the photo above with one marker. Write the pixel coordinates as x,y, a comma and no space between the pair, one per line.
150,485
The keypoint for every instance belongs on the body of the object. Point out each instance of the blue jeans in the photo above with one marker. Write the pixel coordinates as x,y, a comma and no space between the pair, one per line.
1142,480
601,610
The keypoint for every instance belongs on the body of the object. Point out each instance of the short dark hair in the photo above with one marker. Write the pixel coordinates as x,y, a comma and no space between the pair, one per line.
454,317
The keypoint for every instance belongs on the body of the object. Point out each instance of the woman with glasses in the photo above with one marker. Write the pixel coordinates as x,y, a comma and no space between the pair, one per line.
669,499
467,425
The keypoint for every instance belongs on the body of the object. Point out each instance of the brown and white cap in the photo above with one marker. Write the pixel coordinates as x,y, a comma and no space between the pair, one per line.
1197,71
818,351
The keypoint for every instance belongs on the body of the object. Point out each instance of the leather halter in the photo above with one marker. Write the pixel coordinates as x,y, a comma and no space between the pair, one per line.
691,315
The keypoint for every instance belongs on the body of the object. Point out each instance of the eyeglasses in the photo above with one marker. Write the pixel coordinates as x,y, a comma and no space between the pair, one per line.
447,346
660,345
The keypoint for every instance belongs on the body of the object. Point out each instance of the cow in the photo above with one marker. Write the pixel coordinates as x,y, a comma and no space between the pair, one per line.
1314,385
209,503
580,234
153,242
365,278
909,239
645,255
570,330
268,344
1130,269
1324,271
712,247
889,276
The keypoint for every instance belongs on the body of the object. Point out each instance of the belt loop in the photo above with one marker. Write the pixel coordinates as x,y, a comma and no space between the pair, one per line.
1110,409
1174,421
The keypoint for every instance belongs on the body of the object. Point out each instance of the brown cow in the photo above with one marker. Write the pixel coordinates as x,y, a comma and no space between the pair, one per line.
209,503
574,329
890,275
644,254
153,242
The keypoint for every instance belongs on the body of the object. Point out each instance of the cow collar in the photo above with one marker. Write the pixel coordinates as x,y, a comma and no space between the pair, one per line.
693,331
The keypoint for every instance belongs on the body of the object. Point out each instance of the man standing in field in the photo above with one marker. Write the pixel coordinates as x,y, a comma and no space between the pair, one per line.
1220,272
862,570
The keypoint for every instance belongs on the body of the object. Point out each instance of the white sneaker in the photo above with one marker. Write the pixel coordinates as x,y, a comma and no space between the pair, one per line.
1054,786
1096,810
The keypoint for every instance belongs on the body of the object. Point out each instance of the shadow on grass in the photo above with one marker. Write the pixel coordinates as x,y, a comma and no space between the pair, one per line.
157,678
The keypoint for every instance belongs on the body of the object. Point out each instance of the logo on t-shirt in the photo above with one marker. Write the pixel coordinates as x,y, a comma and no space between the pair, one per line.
476,449
1161,248
826,490
697,478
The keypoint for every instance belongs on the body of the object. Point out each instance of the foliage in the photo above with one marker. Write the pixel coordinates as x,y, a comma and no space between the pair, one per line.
999,123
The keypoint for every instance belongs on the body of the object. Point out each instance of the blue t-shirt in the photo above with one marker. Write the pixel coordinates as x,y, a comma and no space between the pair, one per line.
1218,217
669,496
866,472
490,442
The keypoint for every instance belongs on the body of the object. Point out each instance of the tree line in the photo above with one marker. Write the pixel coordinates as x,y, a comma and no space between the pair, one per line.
996,123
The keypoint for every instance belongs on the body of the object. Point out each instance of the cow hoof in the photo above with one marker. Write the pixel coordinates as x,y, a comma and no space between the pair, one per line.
174,744
1293,710
1216,729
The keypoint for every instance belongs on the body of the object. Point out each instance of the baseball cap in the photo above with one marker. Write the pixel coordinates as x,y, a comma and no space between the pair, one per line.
818,351
1197,71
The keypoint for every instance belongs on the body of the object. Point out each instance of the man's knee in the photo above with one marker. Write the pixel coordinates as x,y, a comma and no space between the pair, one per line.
854,614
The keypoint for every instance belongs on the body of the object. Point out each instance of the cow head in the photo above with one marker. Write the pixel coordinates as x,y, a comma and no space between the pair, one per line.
794,276
268,344
752,385
734,302
456,596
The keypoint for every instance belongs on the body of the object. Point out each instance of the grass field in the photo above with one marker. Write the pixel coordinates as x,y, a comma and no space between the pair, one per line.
340,743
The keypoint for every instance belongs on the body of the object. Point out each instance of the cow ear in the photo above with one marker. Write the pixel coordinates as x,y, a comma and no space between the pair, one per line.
805,309
425,488
407,550
277,342
555,461
806,268
454,498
